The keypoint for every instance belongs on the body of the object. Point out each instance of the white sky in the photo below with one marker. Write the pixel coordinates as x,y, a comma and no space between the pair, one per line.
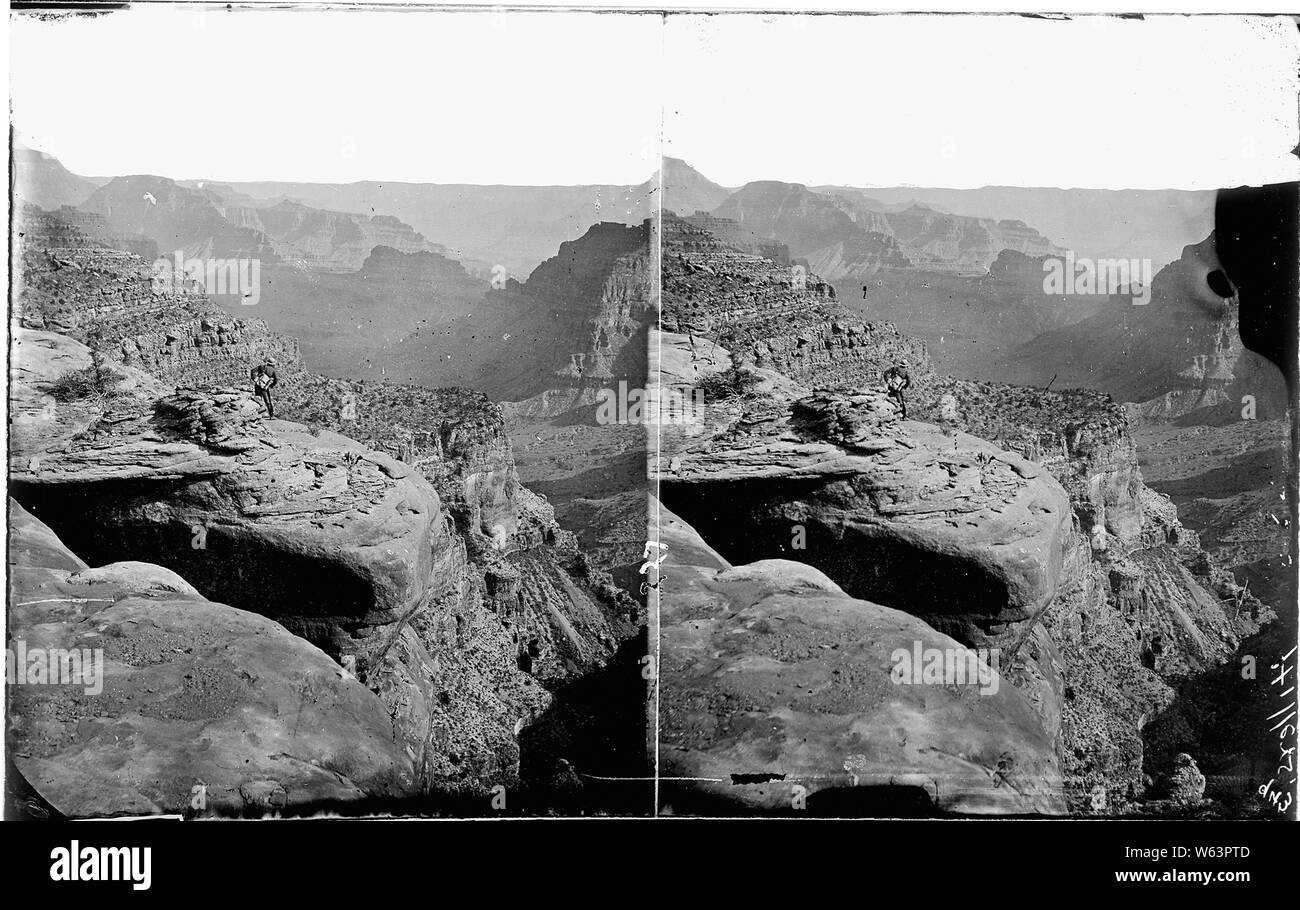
568,98
479,97
969,101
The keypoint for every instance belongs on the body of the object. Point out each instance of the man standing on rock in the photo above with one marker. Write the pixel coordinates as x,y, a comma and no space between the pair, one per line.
896,382
264,380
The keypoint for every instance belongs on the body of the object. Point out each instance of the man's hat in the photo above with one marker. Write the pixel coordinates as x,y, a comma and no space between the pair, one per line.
271,361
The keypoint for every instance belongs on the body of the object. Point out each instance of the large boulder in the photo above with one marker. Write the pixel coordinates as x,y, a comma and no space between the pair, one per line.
344,546
199,704
935,522
778,691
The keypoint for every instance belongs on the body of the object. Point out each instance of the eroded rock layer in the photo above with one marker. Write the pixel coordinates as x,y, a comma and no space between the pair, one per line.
187,703
804,457
781,693
413,558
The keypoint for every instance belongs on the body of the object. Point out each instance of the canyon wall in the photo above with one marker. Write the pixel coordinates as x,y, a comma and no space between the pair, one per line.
1121,606
412,558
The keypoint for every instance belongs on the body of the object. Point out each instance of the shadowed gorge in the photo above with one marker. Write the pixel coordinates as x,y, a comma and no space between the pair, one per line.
314,596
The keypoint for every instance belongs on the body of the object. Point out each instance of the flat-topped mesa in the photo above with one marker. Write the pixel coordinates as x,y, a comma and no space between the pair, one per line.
212,220
846,235
962,244
389,264
325,240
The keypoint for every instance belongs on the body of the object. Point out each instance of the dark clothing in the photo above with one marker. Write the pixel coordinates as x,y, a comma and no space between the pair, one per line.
864,292
896,382
264,380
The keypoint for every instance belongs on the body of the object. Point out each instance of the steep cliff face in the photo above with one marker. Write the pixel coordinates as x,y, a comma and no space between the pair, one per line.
347,321
844,237
1127,602
859,257
210,223
1141,606
430,572
176,218
516,227
1177,355
782,319
1154,224
42,180
608,272
576,326
564,615
115,301
968,322
71,227
739,238
328,241
962,244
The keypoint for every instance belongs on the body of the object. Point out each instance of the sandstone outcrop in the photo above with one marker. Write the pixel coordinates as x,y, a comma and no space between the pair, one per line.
347,547
943,525
782,319
1129,604
777,696
200,705
564,615
441,583
115,301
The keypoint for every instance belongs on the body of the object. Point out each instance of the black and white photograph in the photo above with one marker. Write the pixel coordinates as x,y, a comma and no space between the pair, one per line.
305,473
673,420
975,503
